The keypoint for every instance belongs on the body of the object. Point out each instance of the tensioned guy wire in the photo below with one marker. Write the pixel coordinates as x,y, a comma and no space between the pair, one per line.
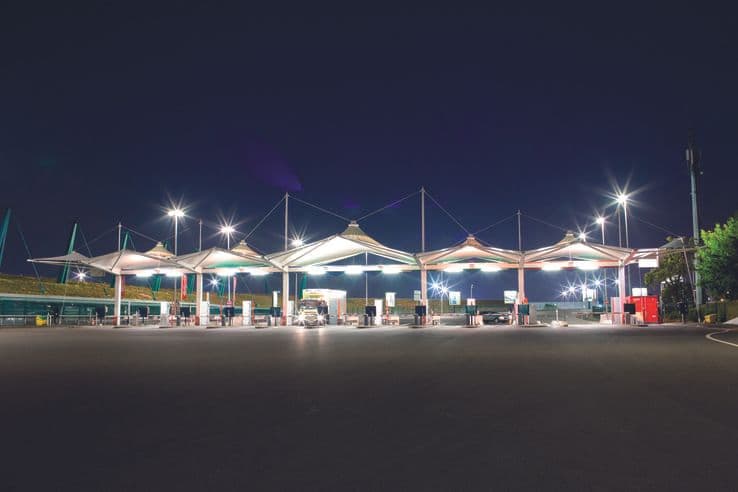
263,219
388,206
447,213
495,224
546,223
326,211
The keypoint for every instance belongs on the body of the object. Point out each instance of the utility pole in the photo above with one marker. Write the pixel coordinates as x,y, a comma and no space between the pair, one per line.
285,273
423,271
694,172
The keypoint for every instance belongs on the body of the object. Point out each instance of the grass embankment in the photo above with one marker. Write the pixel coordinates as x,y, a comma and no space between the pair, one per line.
17,284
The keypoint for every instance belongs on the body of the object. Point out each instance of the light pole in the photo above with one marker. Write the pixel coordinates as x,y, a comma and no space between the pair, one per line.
471,291
600,220
622,200
296,243
444,291
228,230
176,214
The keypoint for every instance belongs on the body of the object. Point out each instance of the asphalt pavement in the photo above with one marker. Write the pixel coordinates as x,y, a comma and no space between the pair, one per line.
338,408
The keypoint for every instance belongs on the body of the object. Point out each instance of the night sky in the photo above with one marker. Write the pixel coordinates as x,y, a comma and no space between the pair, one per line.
110,113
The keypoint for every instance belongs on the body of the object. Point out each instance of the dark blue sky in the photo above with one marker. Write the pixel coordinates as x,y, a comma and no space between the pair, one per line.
107,112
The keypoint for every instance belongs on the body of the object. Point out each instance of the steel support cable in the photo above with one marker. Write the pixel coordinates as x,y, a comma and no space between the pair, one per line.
101,235
28,252
246,236
388,206
495,224
321,209
81,233
134,231
546,223
448,213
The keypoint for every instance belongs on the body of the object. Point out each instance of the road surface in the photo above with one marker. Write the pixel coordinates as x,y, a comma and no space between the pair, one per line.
581,408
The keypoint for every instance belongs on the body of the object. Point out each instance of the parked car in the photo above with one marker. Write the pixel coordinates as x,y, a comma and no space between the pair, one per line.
496,318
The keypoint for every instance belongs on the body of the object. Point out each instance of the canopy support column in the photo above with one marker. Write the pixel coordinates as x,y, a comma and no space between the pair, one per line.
424,287
198,297
521,284
285,295
118,296
621,292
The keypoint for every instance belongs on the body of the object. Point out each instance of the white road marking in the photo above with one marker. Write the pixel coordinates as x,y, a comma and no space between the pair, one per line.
709,336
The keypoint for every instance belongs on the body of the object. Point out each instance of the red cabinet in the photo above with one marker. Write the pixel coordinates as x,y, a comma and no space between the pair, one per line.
647,306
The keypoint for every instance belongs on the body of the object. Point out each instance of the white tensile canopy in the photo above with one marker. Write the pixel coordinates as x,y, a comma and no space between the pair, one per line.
123,262
239,259
349,243
72,259
469,254
575,252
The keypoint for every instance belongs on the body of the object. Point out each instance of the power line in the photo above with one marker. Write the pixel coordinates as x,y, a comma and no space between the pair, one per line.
671,233
388,206
448,213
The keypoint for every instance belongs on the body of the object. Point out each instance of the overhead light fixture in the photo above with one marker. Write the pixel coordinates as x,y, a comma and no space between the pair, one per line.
490,268
587,266
453,269
354,270
390,270
176,212
259,273
551,267
143,275
297,242
316,271
173,274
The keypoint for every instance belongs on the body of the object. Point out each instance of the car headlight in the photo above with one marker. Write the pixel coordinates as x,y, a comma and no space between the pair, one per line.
321,317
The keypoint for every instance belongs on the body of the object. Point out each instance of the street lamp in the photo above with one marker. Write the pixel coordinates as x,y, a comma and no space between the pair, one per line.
600,220
297,242
176,214
228,230
622,200
444,291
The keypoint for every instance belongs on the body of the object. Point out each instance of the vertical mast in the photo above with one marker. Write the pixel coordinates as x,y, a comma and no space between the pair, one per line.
694,172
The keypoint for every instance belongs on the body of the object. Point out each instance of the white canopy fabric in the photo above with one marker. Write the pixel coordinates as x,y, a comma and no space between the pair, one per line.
572,250
72,259
123,262
471,251
241,258
351,242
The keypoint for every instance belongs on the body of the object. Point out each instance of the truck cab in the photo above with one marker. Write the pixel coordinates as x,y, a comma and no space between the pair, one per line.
312,312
